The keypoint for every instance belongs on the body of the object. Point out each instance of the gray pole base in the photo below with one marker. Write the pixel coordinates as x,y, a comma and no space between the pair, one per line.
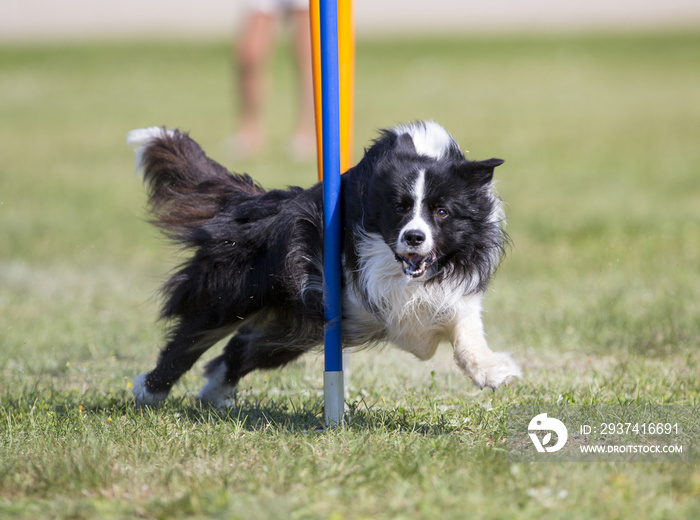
334,398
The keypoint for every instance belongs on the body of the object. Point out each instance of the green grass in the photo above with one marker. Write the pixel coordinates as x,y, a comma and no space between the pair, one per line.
597,299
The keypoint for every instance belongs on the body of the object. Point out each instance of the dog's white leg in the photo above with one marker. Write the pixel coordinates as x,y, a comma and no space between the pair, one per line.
217,392
472,354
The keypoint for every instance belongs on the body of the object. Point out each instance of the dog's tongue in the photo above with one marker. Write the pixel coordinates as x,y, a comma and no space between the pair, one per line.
415,260
415,265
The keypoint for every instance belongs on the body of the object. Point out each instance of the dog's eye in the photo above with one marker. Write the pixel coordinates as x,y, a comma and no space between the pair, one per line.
400,209
441,213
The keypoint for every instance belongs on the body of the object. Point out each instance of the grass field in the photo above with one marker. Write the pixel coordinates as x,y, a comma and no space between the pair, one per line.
598,299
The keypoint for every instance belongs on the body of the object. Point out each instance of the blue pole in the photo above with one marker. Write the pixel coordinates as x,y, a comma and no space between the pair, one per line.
333,376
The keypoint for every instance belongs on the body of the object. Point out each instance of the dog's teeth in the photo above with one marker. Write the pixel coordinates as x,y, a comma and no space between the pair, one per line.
415,265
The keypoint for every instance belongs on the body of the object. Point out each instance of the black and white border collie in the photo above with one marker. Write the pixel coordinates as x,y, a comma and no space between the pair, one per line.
422,235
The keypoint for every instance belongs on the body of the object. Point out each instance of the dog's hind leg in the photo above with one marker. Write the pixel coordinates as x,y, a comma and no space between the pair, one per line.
180,353
249,350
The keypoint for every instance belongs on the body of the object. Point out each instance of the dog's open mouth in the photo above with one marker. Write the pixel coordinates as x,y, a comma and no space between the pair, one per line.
414,265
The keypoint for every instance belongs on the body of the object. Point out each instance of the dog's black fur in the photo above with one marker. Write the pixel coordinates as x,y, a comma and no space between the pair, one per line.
256,268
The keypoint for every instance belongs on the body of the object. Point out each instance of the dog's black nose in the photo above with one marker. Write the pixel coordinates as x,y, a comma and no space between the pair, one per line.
414,237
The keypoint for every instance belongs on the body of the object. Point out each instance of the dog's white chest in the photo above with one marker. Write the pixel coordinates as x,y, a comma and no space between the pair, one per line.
406,318
384,304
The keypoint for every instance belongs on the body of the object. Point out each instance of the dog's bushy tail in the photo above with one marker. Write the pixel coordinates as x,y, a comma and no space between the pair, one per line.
185,187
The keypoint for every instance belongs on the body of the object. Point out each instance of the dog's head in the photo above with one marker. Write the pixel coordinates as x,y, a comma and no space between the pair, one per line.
435,209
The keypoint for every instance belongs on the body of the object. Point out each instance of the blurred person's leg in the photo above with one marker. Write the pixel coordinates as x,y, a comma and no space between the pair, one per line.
252,54
303,141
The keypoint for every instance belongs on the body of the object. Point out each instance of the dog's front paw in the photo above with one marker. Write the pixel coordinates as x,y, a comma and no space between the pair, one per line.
498,369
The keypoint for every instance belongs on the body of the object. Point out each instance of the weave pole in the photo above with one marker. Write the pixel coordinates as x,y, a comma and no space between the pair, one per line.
346,76
333,103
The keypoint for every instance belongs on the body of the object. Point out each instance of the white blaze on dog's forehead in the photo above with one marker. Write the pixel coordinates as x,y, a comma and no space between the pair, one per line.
417,222
429,138
418,192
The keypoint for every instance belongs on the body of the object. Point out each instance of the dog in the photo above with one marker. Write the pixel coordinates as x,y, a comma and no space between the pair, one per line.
422,234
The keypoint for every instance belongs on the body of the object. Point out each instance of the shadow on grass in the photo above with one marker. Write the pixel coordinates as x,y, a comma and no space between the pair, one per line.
306,416
253,413
296,414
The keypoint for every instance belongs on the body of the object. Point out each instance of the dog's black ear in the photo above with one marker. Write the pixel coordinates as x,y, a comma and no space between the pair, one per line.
404,144
480,172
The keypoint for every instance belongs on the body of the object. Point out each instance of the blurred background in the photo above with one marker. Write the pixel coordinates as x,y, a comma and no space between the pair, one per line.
595,106
45,19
